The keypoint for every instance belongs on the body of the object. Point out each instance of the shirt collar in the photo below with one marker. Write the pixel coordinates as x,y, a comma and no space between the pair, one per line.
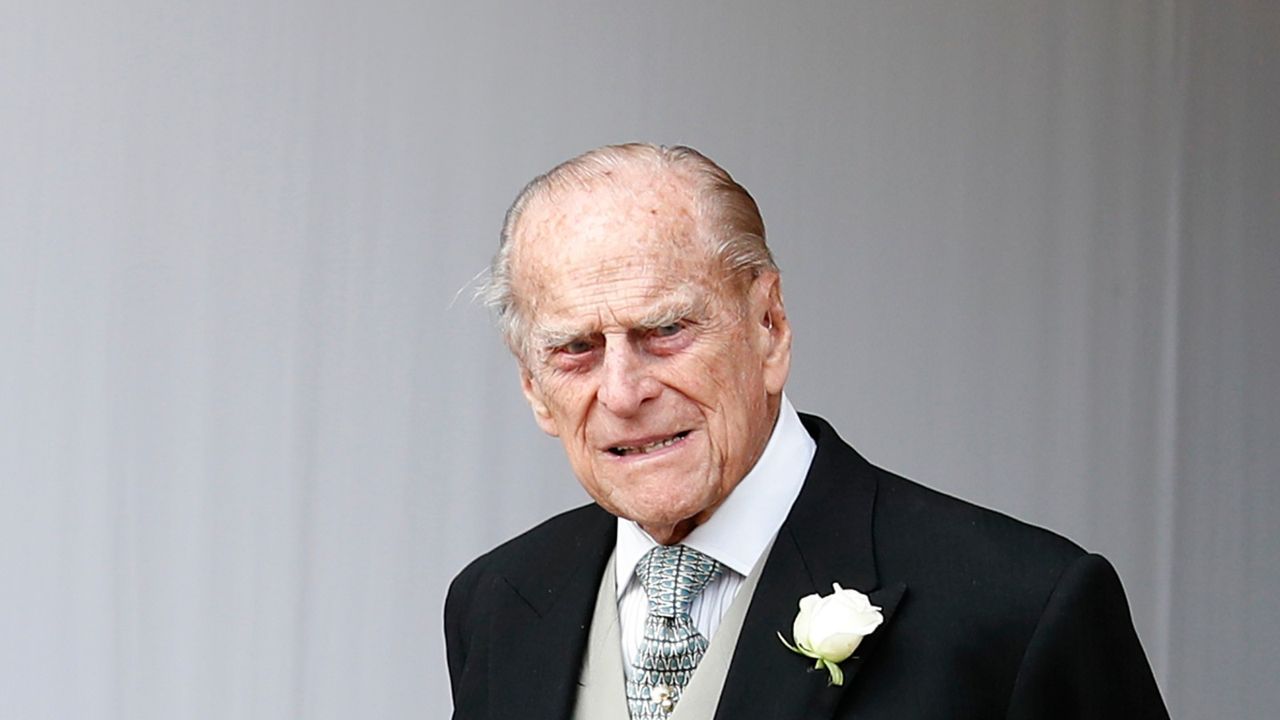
738,532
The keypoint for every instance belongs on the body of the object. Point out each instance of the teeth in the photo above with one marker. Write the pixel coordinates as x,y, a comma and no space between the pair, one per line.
650,447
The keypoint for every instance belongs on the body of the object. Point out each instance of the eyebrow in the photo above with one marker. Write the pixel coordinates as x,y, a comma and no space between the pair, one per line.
677,309
683,306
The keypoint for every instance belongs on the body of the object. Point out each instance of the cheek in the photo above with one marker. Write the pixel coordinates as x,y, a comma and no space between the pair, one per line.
740,408
566,399
728,388
707,377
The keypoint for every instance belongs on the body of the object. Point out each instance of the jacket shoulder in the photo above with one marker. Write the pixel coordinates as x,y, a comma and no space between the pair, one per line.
918,526
570,531
957,530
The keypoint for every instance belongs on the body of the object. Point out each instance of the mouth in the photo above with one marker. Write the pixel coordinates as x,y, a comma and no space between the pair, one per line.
648,447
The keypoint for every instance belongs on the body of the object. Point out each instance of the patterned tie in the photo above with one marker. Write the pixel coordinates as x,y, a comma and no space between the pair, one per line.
672,576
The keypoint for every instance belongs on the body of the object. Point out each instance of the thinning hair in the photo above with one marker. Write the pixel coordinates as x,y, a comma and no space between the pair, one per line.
727,218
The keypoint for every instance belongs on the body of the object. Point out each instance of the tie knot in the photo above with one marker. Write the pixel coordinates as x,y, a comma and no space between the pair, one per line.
672,576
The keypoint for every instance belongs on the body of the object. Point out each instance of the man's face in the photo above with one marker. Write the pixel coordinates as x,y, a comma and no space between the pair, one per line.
660,375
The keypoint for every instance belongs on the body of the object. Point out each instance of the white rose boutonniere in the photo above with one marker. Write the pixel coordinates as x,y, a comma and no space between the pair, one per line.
830,627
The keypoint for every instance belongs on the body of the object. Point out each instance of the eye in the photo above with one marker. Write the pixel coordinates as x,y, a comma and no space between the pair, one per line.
576,347
574,355
669,338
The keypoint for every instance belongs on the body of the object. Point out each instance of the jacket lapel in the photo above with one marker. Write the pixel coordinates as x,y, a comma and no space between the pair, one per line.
540,631
827,538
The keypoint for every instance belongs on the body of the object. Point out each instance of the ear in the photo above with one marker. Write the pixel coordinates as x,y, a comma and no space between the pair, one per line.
541,414
772,330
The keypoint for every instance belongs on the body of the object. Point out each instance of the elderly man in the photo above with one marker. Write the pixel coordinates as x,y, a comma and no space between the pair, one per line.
634,287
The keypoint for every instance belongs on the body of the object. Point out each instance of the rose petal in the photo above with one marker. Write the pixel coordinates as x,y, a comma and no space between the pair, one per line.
833,626
800,628
837,647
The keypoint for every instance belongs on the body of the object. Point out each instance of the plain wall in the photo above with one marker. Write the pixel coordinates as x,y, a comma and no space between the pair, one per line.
251,422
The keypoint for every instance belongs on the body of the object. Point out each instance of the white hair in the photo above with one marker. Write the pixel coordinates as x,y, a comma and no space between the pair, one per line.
727,217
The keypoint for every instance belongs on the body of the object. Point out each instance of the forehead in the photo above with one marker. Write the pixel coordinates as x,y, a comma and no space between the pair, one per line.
628,206
612,247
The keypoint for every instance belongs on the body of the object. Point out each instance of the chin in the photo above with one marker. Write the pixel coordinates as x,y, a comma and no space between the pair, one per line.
667,513
653,499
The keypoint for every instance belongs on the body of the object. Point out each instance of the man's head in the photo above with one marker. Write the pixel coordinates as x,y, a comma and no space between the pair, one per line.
635,288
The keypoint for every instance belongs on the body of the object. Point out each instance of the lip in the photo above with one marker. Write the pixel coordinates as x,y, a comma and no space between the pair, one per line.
680,437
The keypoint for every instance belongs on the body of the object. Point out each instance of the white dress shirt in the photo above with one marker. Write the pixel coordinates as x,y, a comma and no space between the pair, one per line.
736,534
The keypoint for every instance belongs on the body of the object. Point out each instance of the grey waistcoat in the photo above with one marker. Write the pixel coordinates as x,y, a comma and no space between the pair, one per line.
602,691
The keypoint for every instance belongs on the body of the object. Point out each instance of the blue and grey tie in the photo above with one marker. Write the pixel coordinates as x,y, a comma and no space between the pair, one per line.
672,576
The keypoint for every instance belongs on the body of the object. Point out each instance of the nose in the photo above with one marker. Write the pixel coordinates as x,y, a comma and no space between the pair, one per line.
625,382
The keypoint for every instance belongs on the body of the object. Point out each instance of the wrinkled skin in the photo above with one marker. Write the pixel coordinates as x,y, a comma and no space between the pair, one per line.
661,376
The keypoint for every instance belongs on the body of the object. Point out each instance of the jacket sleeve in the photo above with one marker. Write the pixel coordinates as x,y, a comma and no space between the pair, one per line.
459,629
1084,659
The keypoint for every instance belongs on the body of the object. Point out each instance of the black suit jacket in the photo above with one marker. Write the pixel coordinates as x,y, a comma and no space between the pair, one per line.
985,616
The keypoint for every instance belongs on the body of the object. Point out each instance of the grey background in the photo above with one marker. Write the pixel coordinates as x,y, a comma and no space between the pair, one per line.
251,423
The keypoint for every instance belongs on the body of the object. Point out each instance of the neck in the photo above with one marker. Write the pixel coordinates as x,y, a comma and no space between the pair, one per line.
671,534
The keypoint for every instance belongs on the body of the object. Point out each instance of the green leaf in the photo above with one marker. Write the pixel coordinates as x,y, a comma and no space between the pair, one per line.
837,675
790,647
800,650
